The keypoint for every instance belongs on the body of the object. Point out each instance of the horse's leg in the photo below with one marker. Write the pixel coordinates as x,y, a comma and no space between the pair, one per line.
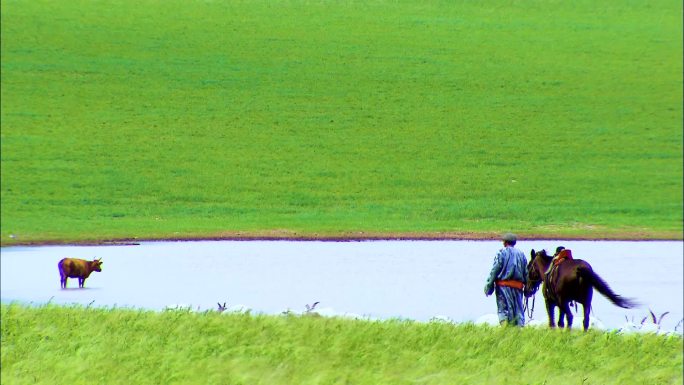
586,305
568,313
561,310
587,308
550,309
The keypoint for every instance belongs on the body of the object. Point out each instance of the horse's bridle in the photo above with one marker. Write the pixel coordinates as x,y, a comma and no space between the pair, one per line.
532,284
531,287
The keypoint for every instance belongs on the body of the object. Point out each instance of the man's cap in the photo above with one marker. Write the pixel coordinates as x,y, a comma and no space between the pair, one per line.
509,237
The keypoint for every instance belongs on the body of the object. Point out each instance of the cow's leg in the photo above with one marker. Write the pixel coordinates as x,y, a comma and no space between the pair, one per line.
62,282
81,281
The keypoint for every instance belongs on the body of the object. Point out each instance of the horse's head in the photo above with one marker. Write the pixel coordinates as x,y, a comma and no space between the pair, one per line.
535,271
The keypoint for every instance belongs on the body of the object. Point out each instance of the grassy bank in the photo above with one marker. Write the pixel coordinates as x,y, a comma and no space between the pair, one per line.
175,119
75,345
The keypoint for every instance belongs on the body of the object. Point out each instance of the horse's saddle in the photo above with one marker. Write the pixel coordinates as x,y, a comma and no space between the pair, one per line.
562,256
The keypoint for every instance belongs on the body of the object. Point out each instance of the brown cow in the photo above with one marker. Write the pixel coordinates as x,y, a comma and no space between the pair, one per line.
77,268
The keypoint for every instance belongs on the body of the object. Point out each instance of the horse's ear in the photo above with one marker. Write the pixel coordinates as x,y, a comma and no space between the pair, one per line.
532,253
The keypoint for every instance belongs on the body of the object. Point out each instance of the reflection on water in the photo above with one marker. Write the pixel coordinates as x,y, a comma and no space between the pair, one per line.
383,279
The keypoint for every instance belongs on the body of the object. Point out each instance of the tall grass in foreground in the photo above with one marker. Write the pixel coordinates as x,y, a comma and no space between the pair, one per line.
158,119
75,345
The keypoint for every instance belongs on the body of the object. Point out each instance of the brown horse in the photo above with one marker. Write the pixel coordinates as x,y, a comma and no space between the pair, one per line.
572,280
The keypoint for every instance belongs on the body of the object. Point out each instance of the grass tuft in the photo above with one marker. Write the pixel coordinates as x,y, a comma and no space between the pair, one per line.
77,345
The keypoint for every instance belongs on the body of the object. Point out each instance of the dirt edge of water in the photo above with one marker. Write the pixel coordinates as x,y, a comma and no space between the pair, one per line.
358,236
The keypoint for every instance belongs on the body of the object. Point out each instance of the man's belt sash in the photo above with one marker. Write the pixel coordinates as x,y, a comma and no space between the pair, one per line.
511,283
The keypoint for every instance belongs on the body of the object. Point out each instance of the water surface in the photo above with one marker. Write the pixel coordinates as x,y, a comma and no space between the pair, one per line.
381,279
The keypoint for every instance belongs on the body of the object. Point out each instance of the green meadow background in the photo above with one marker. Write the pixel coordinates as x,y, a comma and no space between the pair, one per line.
177,119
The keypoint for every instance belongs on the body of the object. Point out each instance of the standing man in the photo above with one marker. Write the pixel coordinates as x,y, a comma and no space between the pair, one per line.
508,277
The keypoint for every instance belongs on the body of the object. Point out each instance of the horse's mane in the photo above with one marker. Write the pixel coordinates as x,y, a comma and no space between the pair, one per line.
542,253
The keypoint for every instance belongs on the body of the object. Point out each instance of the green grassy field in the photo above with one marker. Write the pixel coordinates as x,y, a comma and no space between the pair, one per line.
175,119
75,345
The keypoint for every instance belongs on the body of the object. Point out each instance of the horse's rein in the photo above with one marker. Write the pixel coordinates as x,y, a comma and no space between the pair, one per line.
532,292
530,311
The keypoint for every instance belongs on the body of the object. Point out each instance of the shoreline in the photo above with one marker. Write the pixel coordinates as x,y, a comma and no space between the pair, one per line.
291,236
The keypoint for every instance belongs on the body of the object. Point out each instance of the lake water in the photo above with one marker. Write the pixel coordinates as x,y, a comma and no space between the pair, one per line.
378,279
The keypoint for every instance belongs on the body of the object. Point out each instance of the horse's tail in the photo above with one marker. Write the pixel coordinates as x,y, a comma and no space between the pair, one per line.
599,284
